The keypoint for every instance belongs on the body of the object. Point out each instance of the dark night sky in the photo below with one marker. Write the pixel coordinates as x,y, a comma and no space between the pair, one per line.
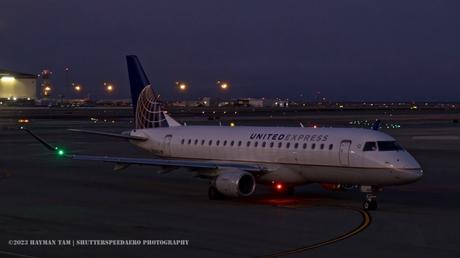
347,49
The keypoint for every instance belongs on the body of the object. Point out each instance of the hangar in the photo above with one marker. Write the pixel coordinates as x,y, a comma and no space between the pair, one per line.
17,85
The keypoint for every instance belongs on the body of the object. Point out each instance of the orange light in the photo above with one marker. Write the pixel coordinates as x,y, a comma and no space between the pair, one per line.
223,85
182,86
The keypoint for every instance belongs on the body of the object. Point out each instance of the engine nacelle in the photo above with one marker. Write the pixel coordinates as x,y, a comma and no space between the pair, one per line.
235,182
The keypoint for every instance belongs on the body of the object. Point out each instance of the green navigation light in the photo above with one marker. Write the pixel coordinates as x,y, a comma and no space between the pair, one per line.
60,152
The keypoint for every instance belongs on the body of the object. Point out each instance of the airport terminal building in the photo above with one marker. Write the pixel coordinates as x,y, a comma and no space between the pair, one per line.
17,85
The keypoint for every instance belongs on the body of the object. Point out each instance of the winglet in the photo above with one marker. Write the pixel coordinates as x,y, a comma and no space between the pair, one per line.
57,150
38,138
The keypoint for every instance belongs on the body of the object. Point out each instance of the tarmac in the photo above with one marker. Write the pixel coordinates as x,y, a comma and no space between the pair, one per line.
45,197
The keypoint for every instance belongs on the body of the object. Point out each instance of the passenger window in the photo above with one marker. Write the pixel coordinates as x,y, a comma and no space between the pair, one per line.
210,142
217,143
189,141
331,146
202,142
225,142
304,146
196,141
182,142
280,144
370,146
313,146
296,145
264,144
288,144
239,143
232,143
321,146
271,144
248,144
255,144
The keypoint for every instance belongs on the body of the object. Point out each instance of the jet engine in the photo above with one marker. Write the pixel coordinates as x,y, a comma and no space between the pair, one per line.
235,182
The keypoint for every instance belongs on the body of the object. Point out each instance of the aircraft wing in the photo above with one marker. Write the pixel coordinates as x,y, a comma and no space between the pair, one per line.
115,135
167,162
123,162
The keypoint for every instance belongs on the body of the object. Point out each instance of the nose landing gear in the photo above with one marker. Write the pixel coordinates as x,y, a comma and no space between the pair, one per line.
371,202
371,198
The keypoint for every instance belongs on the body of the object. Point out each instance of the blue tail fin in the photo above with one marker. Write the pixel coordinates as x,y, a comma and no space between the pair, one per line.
137,79
146,103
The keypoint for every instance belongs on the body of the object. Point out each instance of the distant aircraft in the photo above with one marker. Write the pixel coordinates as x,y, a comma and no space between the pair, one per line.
236,159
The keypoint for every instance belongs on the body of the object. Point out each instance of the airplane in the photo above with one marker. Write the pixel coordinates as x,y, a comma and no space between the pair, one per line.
237,158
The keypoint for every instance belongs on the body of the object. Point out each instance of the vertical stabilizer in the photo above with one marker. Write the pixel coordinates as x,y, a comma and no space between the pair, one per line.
146,103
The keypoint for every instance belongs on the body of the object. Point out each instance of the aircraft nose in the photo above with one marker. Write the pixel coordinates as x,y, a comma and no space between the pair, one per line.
410,175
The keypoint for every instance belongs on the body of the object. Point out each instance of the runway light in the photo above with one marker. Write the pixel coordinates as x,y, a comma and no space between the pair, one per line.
8,79
77,88
232,124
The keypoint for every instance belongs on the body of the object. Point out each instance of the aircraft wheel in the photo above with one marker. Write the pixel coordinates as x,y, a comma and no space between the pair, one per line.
370,205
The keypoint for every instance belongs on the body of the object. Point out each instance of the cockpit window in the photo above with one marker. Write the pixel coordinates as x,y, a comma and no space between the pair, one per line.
370,146
389,146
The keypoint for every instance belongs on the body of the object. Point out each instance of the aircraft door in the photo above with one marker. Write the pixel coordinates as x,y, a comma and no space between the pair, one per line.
344,152
167,145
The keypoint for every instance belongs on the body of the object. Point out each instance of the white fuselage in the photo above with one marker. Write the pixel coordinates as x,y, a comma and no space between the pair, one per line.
292,155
